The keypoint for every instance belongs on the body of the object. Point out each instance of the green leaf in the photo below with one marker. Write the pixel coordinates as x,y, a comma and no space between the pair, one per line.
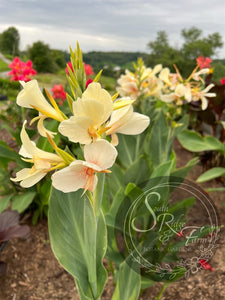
128,283
157,144
183,171
78,240
194,142
21,202
7,152
211,174
138,171
4,202
126,150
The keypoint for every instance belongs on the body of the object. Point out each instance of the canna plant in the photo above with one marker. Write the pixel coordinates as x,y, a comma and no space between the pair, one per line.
104,153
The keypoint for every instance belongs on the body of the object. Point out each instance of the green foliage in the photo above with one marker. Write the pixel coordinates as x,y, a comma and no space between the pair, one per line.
78,240
40,54
218,71
3,66
98,60
130,279
9,88
58,57
9,41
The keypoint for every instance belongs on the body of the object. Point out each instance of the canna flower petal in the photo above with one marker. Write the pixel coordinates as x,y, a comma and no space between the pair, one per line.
101,153
28,178
95,92
77,129
74,177
29,148
126,121
32,97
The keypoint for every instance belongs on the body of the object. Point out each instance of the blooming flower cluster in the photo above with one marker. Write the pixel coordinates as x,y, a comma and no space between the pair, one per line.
185,90
169,87
96,119
143,82
59,93
21,70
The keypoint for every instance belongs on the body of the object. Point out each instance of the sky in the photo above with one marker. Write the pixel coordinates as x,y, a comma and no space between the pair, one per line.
110,25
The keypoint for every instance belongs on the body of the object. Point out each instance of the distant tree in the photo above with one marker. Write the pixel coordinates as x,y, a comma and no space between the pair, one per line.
9,41
162,52
58,58
40,54
194,45
185,58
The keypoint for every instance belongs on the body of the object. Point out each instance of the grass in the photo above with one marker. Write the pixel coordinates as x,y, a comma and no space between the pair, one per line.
47,80
3,66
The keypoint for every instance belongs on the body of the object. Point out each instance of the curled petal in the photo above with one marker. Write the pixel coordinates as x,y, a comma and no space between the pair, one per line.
136,124
32,97
28,178
29,148
127,122
100,153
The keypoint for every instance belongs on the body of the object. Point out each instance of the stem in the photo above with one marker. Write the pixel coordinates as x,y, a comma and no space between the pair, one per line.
165,285
98,194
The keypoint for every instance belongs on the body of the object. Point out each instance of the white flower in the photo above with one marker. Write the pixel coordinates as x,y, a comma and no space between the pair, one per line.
99,156
42,161
201,95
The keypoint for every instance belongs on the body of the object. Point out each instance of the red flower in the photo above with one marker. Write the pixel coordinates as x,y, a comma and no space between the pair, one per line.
222,81
88,70
59,93
205,265
70,66
203,62
21,70
88,82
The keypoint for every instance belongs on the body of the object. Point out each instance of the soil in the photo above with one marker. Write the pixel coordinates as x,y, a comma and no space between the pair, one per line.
34,274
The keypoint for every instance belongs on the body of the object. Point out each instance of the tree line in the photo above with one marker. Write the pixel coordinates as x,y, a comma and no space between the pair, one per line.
161,51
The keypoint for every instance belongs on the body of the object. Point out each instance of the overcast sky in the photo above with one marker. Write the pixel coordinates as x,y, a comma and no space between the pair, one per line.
117,25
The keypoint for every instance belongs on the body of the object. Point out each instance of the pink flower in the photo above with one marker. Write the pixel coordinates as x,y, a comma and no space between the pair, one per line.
59,93
21,70
203,62
70,66
222,81
205,265
88,69
88,82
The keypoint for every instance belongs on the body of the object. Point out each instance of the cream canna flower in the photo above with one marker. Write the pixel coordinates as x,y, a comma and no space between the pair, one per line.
99,156
42,162
90,113
32,97
128,85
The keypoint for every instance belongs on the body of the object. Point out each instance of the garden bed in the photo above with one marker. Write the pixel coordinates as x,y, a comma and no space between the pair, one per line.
34,273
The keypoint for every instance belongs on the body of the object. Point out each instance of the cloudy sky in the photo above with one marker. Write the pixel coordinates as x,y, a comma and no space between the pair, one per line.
117,25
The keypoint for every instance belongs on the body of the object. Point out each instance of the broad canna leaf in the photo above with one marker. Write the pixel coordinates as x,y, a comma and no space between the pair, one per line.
128,283
194,142
78,240
211,174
